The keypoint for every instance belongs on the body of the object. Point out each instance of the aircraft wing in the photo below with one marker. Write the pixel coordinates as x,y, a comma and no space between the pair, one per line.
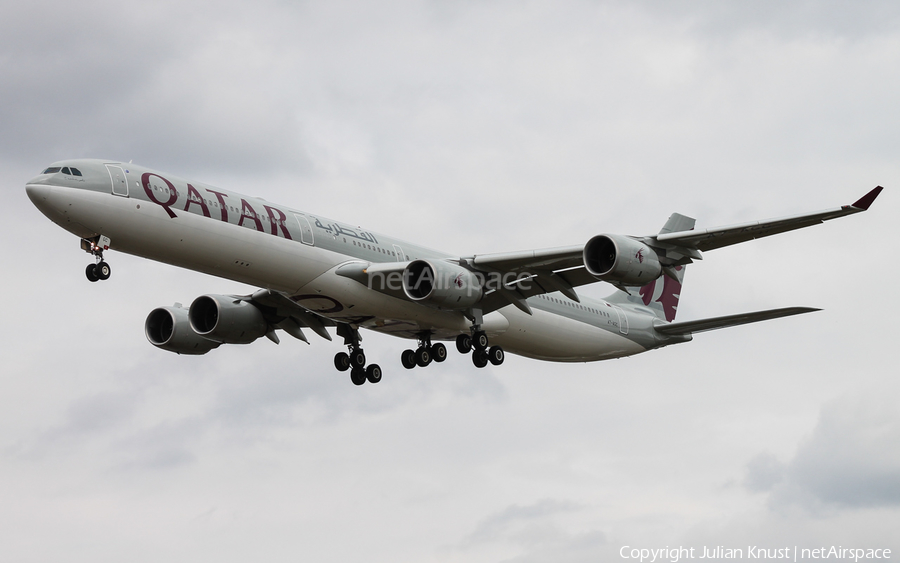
533,272
713,323
710,239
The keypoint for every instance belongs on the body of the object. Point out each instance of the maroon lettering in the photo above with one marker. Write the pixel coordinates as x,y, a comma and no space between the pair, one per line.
222,205
247,212
173,195
195,198
277,218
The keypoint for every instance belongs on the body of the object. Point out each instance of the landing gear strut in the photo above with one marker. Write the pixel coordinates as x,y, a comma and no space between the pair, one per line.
424,354
100,270
355,360
478,344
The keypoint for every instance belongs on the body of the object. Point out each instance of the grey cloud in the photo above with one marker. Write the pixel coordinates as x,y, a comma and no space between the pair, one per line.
162,446
850,460
166,81
570,548
763,472
511,520
539,533
836,18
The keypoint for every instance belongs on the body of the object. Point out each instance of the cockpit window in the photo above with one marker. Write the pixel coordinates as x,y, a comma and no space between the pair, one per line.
65,170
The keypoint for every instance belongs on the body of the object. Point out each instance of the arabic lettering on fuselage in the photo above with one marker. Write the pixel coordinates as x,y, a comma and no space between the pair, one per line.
335,229
276,217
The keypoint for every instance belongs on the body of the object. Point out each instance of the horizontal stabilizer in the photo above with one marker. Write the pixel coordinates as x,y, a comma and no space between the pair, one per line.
702,325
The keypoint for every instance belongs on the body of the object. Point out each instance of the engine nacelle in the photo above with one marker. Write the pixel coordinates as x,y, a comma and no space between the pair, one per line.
441,284
226,319
170,329
622,260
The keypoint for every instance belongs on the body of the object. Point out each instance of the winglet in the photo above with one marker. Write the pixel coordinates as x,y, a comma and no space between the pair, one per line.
865,201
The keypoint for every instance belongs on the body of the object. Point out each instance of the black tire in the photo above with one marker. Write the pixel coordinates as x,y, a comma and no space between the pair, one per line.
408,359
464,343
103,270
358,376
438,352
373,373
357,359
342,361
479,358
480,341
496,355
423,357
91,272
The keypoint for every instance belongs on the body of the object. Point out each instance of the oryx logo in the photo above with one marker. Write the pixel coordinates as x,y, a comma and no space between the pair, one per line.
665,291
458,282
640,255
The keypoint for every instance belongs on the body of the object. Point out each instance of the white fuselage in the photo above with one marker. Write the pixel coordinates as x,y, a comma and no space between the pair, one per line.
225,234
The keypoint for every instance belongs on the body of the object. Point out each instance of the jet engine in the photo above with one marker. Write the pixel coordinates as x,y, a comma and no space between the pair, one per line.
169,328
441,284
621,260
227,320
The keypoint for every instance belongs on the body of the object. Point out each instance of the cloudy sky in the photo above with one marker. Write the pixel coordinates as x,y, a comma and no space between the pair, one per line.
470,127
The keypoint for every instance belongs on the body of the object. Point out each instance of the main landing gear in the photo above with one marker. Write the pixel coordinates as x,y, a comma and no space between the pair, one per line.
355,360
481,353
424,354
100,270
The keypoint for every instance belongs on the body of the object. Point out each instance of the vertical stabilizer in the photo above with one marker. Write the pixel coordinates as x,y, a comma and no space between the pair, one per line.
662,294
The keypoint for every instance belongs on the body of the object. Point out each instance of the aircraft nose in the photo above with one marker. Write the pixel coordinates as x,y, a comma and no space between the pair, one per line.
37,193
41,195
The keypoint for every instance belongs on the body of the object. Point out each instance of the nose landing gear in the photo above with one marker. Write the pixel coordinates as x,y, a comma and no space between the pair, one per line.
100,270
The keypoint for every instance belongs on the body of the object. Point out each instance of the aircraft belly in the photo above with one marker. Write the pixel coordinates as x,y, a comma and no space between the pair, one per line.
346,300
547,336
196,242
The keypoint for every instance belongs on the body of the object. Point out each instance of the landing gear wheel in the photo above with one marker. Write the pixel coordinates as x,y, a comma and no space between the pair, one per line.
438,352
408,359
464,343
357,359
480,358
102,270
342,361
423,357
358,376
496,355
91,272
480,341
373,373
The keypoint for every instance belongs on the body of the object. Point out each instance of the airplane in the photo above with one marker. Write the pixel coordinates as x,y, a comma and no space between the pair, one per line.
321,274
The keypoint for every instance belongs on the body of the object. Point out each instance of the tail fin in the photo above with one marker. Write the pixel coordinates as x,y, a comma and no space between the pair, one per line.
662,294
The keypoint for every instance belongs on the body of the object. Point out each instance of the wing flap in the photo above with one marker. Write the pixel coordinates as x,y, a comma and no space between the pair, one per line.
284,306
714,323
